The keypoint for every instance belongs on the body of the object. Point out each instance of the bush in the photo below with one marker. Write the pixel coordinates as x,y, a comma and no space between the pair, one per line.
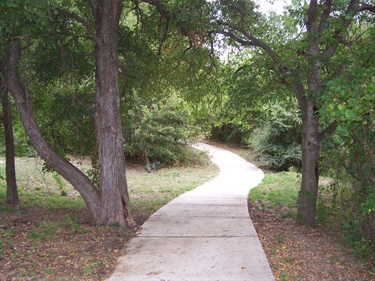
160,134
228,132
278,139
348,154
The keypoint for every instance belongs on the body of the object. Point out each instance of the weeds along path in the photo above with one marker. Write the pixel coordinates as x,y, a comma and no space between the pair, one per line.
205,234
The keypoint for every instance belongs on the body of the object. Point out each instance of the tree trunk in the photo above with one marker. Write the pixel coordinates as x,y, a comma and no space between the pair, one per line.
310,165
10,167
115,208
73,175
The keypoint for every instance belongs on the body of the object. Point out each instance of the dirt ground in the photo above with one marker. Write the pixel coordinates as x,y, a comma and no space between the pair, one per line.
300,253
45,245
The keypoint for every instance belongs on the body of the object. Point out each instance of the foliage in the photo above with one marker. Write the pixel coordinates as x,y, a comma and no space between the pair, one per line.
310,44
65,115
247,86
24,15
170,49
159,133
278,139
229,132
362,245
61,185
350,156
23,147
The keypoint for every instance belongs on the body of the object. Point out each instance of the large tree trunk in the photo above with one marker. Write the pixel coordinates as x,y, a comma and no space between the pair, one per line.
10,167
115,208
73,175
310,164
307,101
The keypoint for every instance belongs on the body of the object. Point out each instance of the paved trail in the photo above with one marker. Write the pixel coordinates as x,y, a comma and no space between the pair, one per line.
203,235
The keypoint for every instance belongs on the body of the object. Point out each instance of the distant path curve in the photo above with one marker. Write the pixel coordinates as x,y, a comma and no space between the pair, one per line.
237,176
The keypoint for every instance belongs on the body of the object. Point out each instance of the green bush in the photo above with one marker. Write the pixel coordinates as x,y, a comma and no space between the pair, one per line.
22,145
228,132
348,154
278,139
160,134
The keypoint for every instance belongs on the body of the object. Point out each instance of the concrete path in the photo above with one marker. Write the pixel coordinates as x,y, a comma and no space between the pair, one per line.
203,235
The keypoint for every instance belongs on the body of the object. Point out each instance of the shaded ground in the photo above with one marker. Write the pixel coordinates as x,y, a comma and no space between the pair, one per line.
45,245
299,253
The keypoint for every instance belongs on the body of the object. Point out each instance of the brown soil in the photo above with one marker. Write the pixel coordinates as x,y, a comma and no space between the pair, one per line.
300,253
36,244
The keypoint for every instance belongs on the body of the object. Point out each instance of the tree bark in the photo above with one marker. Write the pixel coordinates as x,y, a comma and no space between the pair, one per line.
73,175
310,163
115,207
310,123
10,166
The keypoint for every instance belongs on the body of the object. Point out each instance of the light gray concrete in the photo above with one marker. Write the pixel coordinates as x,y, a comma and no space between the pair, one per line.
204,235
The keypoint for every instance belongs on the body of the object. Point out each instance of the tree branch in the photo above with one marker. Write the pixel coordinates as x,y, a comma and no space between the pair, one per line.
311,23
366,7
164,37
352,10
251,40
328,130
159,6
166,15
81,20
325,15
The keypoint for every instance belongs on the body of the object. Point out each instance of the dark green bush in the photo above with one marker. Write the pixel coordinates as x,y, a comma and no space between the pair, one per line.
160,134
278,138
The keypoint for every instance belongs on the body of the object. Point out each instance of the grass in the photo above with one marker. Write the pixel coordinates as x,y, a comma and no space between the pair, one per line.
150,191
278,188
147,191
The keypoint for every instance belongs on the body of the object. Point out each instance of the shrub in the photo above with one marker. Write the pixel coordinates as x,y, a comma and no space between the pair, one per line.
348,154
278,139
160,134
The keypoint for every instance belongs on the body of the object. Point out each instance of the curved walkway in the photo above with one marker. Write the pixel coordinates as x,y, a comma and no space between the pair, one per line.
203,235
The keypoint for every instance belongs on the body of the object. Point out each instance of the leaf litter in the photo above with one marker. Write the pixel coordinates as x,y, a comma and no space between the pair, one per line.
301,253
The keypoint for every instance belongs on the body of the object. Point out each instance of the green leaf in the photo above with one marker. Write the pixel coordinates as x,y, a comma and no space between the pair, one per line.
342,131
350,115
341,107
337,139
